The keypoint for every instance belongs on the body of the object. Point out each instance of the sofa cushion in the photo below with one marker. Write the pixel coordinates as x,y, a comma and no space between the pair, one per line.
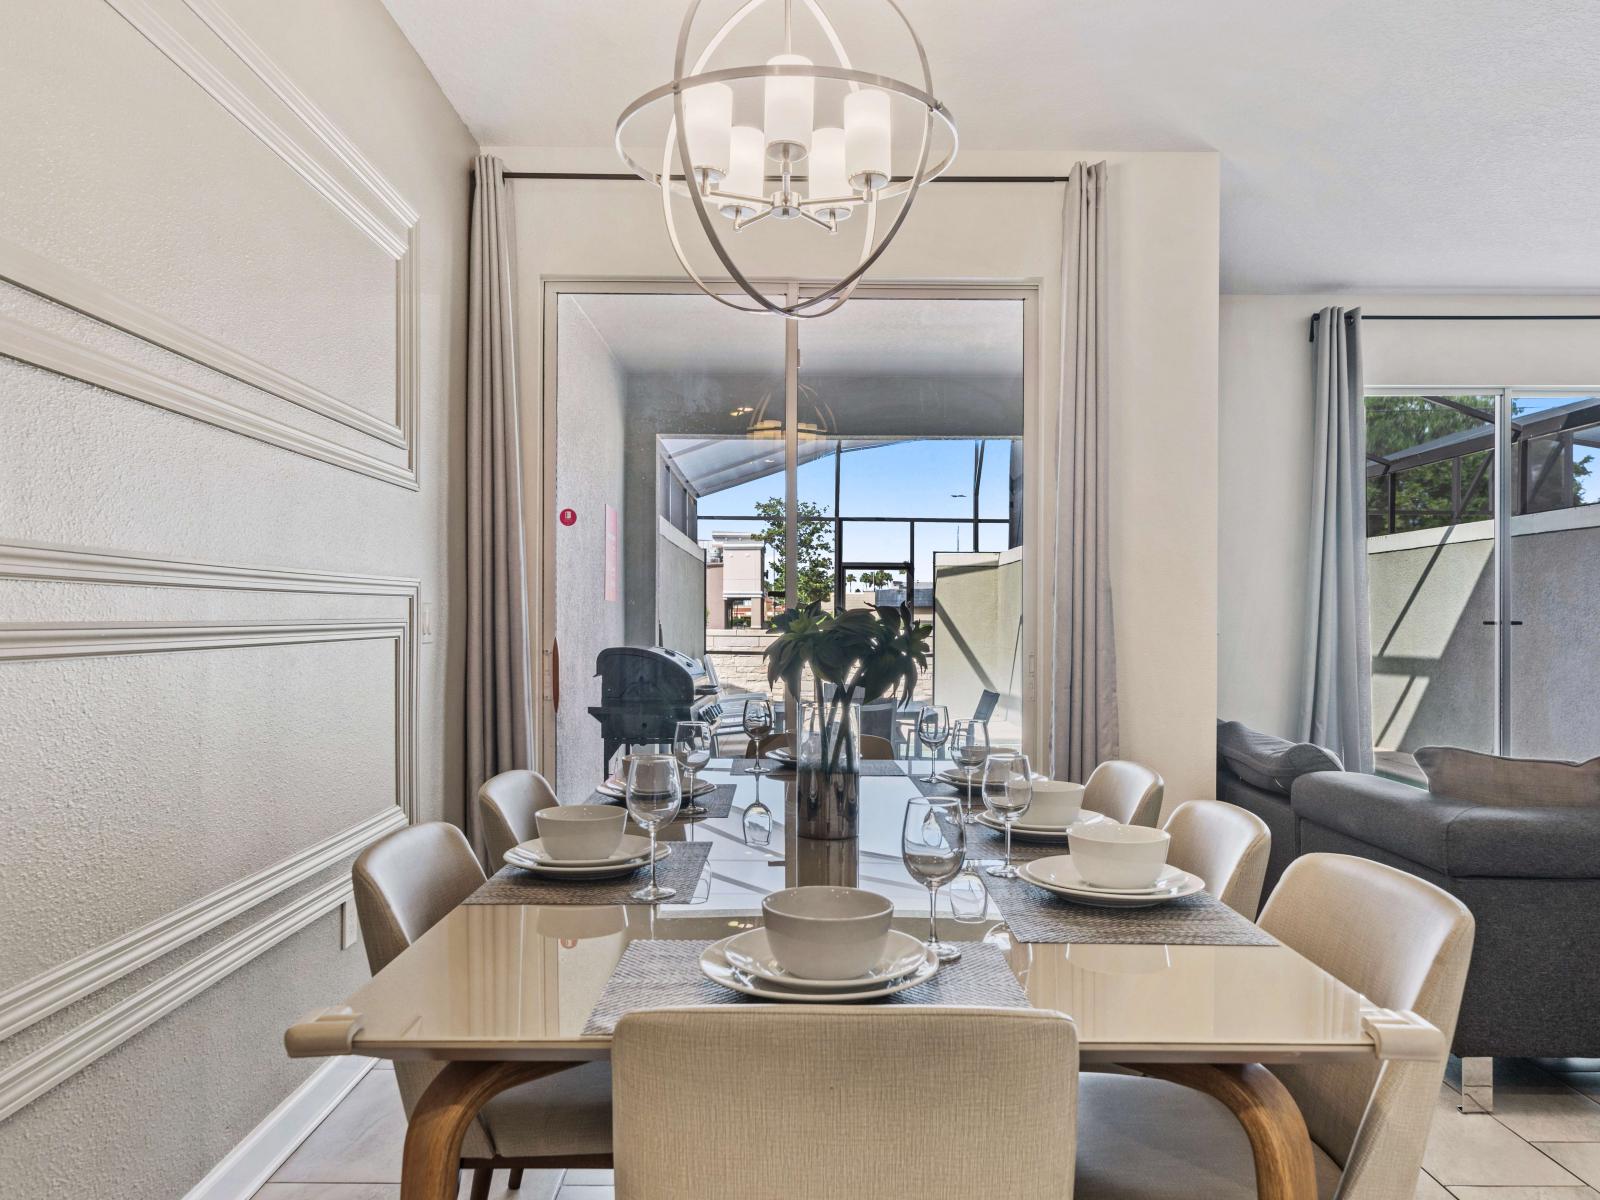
1509,782
1452,837
1267,761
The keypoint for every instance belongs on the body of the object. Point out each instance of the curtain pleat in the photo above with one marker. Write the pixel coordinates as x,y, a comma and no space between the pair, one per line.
1083,678
1336,700
499,668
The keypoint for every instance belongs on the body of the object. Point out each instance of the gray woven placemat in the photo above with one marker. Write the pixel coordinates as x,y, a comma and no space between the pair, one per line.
938,790
1036,915
985,845
512,885
875,767
656,974
717,803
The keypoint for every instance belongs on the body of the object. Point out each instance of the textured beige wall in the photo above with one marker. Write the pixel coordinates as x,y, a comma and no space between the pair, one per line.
252,217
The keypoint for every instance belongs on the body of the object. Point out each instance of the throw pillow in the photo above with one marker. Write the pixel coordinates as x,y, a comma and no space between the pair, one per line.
1509,782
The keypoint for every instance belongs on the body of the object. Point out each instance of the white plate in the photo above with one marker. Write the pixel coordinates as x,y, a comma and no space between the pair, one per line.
539,868
619,789
781,754
1053,834
971,779
632,848
1058,875
715,966
751,953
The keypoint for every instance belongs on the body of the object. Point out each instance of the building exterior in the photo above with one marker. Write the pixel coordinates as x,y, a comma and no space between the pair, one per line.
735,568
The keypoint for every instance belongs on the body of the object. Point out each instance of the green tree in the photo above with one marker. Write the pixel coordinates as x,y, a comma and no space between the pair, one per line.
813,550
876,579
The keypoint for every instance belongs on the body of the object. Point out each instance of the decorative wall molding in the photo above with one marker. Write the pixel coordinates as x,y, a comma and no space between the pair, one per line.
30,1077
105,370
53,990
393,227
37,998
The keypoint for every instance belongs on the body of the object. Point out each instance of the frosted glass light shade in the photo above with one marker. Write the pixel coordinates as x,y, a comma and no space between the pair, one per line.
866,138
788,108
827,174
746,170
708,120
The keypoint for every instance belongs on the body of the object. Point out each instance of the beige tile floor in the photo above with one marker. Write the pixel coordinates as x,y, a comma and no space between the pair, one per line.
1542,1143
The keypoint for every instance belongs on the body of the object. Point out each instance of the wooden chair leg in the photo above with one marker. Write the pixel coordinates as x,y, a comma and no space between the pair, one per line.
515,1181
430,1168
482,1177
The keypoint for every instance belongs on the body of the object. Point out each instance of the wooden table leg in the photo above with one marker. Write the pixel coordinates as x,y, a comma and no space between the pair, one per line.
430,1167
1285,1169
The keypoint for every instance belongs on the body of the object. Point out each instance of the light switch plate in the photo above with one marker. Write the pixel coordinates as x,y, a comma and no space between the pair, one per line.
425,620
349,926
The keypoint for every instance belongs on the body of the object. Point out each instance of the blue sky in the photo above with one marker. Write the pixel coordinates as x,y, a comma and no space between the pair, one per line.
921,478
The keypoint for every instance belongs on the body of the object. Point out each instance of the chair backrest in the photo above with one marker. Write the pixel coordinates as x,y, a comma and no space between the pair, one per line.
876,747
987,701
710,668
404,885
1124,791
1403,944
506,804
767,744
856,1119
1225,845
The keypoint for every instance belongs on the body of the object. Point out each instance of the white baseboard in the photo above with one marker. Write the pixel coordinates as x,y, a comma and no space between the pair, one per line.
262,1151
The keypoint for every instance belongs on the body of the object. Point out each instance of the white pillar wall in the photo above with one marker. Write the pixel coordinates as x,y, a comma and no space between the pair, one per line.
1163,369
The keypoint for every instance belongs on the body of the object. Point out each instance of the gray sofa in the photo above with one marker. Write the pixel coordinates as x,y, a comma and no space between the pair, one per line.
1528,870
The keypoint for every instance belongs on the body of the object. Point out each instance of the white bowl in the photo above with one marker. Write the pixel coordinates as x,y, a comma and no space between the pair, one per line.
1054,803
1109,855
827,932
586,831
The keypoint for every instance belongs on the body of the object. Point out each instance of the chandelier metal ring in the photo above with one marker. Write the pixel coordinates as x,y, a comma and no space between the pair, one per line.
704,184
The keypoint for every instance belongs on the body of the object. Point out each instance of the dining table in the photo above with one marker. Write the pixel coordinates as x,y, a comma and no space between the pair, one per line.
502,992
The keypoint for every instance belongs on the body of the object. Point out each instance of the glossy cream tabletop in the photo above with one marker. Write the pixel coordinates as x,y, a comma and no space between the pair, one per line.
519,981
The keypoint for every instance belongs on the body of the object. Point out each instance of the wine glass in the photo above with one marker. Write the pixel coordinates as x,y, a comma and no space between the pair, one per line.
933,731
654,794
691,745
1007,792
757,820
933,844
758,727
969,746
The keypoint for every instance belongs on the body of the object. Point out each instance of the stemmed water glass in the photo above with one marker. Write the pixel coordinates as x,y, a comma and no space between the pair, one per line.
1007,792
757,820
933,731
933,845
691,745
758,727
969,747
654,794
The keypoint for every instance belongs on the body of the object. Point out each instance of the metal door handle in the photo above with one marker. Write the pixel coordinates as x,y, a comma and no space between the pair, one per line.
555,675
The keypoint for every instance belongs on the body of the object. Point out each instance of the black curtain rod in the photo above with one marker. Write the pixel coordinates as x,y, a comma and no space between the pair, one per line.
624,175
1315,317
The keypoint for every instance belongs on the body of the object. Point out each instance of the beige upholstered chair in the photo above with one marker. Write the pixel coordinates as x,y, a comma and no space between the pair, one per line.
1225,845
768,744
1398,940
876,748
404,885
506,805
1124,791
848,1090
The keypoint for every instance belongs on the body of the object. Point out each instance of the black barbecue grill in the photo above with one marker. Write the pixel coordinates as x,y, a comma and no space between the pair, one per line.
644,692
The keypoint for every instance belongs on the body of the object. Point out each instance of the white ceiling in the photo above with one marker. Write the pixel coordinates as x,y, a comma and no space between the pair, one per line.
1373,144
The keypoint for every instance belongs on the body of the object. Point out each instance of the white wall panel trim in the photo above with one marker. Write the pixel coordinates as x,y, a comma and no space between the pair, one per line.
105,370
53,990
30,1077
35,273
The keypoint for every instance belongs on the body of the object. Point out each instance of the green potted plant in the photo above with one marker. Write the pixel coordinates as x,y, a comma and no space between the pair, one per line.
854,657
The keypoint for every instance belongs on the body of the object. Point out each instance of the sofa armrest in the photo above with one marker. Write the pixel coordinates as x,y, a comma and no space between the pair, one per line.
1392,816
1452,837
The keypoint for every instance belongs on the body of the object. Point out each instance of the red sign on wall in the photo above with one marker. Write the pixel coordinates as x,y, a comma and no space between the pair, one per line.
568,517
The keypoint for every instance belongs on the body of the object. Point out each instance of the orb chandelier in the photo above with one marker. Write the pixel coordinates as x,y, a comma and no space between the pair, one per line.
738,175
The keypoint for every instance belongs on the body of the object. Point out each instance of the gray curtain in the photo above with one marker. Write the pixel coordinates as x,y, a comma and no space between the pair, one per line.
1083,663
499,669
1336,705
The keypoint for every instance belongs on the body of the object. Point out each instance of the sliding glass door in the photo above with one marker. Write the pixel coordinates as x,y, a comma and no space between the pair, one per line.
1483,558
704,468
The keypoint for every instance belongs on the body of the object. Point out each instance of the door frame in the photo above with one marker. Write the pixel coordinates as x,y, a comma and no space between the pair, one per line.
542,415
